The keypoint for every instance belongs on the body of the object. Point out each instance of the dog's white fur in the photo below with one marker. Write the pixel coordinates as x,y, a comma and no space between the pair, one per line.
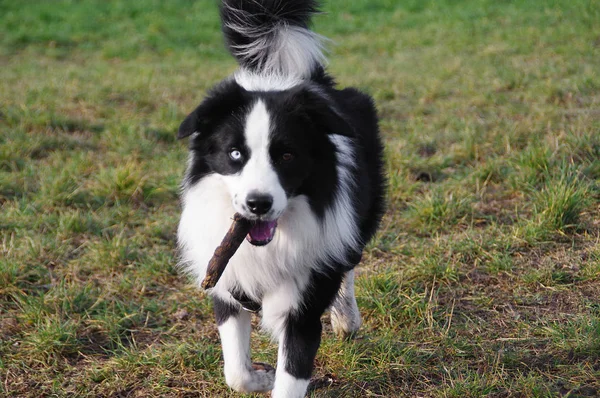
261,82
286,385
345,316
281,49
239,374
258,174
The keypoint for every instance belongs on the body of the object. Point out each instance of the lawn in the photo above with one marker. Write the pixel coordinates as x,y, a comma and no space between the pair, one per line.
483,281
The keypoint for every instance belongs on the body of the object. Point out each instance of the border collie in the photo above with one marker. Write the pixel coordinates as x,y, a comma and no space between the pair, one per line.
278,143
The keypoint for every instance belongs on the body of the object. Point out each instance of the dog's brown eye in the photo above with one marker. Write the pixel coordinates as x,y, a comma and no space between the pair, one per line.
287,157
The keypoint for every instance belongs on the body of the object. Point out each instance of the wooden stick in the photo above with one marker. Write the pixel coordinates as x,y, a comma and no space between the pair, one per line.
229,245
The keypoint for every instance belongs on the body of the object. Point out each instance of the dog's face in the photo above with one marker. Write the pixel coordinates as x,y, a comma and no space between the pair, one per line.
264,145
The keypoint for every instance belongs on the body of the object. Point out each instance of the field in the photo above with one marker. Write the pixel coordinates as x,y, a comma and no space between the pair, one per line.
484,280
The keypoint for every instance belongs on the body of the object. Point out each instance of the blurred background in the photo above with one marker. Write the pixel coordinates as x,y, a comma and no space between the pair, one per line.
484,279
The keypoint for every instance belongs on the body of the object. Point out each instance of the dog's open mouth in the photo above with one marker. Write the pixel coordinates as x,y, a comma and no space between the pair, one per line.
262,232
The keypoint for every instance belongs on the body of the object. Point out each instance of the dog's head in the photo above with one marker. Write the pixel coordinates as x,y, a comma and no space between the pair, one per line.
267,146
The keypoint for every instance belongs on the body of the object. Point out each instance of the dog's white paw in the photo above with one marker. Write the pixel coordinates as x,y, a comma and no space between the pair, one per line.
345,321
345,316
260,378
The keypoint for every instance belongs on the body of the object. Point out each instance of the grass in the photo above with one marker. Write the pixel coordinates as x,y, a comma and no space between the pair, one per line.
483,281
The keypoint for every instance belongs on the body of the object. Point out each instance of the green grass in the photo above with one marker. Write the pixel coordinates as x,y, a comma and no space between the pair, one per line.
484,279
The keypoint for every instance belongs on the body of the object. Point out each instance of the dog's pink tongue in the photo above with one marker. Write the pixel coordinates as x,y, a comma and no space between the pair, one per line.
263,231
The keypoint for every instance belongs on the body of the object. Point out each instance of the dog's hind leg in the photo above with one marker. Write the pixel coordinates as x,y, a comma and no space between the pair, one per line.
234,328
345,316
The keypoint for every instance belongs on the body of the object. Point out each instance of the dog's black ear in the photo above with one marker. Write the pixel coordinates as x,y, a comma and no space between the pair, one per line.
190,125
323,110
223,100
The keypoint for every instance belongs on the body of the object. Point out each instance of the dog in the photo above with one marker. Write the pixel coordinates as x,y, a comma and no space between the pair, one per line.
278,143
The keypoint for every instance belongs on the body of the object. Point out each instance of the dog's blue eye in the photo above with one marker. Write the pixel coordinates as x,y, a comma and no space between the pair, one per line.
235,155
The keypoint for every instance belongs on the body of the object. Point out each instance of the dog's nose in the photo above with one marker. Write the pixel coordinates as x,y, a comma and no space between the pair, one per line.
258,203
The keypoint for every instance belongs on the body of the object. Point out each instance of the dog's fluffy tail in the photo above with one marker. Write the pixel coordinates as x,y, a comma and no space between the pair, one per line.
271,37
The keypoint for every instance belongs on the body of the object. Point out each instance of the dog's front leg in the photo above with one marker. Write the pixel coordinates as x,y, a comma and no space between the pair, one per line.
298,345
234,329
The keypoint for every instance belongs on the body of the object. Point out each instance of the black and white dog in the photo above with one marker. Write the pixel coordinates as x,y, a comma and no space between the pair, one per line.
279,144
